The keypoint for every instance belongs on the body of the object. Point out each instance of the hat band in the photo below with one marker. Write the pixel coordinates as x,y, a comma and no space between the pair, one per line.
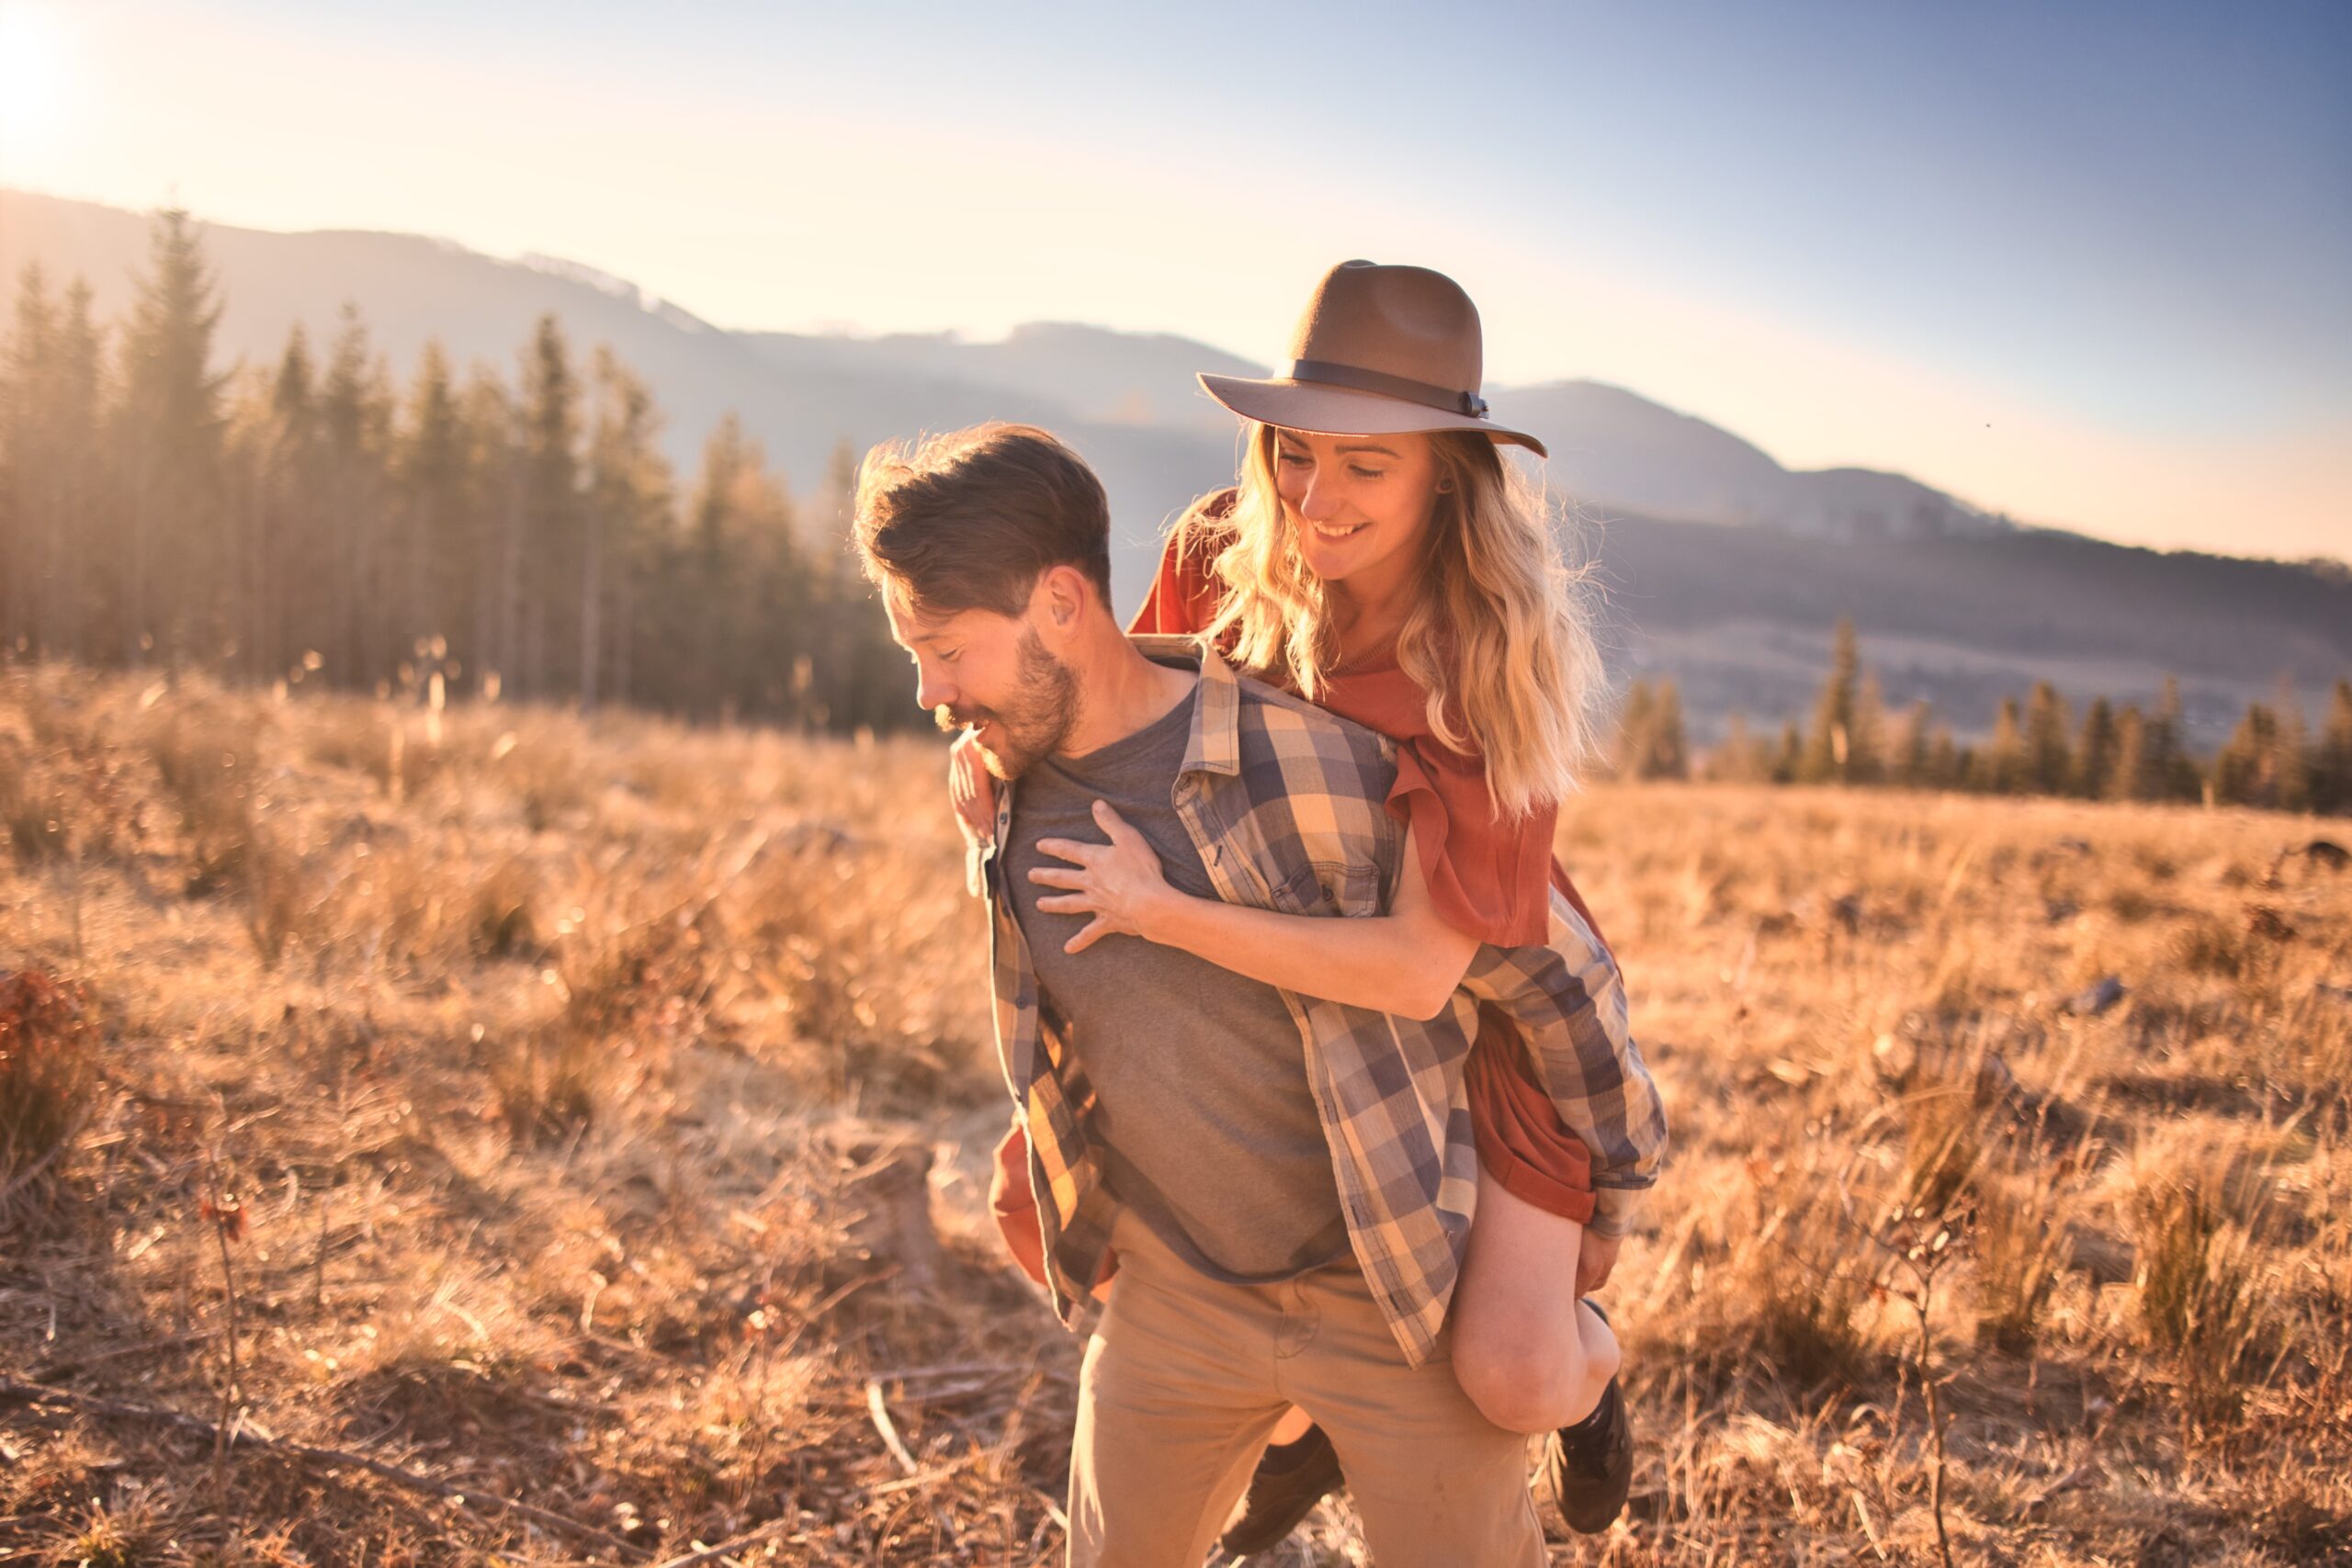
1356,379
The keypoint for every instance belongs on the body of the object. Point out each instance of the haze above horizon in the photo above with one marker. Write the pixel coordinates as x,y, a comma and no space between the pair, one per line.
2094,270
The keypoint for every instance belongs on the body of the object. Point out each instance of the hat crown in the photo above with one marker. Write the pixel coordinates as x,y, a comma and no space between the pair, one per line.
1405,321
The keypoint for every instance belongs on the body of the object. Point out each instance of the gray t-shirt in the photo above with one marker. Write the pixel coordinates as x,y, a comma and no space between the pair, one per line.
1202,1104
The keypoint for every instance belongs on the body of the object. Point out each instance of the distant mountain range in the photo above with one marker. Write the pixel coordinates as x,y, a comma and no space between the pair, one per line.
1724,568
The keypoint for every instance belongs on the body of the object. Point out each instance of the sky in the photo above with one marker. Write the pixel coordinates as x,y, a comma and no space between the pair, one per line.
2089,264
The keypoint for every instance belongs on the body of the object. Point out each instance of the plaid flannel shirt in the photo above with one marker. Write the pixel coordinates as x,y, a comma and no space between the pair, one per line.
1286,803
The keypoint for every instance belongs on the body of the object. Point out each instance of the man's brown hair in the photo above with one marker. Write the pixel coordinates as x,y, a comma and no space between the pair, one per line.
971,519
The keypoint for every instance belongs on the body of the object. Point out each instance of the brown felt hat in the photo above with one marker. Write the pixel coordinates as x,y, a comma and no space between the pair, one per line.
1380,351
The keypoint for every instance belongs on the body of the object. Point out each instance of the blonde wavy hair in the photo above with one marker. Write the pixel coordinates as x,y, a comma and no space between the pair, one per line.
1500,637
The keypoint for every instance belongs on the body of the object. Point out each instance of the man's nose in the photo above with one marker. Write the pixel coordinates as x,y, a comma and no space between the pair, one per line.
932,689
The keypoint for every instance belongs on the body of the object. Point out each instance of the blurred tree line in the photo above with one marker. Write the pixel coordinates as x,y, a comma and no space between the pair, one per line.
2036,748
515,535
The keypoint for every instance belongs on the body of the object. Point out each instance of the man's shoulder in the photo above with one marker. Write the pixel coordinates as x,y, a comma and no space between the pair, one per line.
1280,717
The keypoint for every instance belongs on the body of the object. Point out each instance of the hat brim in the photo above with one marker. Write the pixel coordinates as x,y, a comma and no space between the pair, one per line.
1341,411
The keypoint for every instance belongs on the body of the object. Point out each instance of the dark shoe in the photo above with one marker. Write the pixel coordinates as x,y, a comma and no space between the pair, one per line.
1291,1480
1590,1466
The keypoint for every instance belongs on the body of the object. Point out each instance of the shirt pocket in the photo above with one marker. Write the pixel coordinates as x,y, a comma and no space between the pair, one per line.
1329,887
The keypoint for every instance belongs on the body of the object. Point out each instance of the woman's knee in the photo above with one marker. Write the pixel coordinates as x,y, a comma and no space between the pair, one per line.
1532,1378
1523,1383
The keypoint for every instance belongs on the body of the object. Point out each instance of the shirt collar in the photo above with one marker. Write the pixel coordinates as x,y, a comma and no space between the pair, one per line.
1216,744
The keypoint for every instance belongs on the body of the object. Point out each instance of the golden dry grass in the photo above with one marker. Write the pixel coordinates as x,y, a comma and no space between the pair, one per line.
536,1075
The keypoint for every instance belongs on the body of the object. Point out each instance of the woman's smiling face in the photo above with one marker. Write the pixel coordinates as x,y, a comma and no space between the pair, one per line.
1358,504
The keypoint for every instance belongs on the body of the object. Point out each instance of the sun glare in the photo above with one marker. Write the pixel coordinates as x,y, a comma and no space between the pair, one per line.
36,86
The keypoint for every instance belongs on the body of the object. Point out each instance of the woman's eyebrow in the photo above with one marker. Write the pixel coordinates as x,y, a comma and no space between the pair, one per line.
1368,446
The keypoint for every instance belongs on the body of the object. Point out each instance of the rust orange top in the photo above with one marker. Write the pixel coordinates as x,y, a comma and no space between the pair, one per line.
1491,877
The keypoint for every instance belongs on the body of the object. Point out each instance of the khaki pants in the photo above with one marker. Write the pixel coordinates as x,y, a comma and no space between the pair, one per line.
1185,1377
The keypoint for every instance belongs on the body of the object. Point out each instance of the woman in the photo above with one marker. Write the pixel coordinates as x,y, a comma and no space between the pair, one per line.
1380,557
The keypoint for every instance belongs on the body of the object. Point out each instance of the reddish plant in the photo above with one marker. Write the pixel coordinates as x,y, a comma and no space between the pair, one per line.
49,1069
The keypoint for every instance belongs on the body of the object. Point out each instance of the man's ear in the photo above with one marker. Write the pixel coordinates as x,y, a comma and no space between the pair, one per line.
1060,600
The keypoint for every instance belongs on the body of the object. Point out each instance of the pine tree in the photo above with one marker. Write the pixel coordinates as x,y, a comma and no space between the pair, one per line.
1633,732
290,550
727,491
438,538
1999,767
2290,763
54,458
2047,751
78,472
355,423
1669,748
1866,760
2095,751
737,595
2245,770
1788,760
494,498
863,684
1828,745
2332,760
1740,757
1909,762
2128,774
628,499
1651,742
170,429
1947,764
25,458
2171,772
551,507
245,492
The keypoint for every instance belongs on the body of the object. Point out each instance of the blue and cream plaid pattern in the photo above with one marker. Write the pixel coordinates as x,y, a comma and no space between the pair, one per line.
1286,802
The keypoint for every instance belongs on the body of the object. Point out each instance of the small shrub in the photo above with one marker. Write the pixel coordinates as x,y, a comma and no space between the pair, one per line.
2021,1252
1943,1144
206,760
549,1085
547,774
1805,1325
2198,1294
2212,947
279,896
32,808
347,735
375,740
500,924
114,1539
48,1070
1790,1295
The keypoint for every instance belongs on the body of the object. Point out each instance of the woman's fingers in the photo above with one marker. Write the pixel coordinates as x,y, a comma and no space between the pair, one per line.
1057,876
1071,849
1068,904
970,790
971,786
1095,930
1113,823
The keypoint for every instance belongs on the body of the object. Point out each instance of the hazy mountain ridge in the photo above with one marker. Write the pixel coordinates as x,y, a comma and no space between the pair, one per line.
1616,450
1728,567
1741,616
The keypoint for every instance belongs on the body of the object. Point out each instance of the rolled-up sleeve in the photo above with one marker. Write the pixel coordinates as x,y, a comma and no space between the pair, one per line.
1569,1000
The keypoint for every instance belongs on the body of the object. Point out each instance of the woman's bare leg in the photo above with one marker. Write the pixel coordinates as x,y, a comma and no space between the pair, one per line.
1531,1355
1294,1425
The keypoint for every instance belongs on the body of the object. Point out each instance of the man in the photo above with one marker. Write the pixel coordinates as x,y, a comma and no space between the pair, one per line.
1286,1182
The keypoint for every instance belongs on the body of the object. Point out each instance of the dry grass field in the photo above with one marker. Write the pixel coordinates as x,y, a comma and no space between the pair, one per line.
493,1136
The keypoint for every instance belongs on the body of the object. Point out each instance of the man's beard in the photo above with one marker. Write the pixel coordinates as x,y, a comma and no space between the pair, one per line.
1033,722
